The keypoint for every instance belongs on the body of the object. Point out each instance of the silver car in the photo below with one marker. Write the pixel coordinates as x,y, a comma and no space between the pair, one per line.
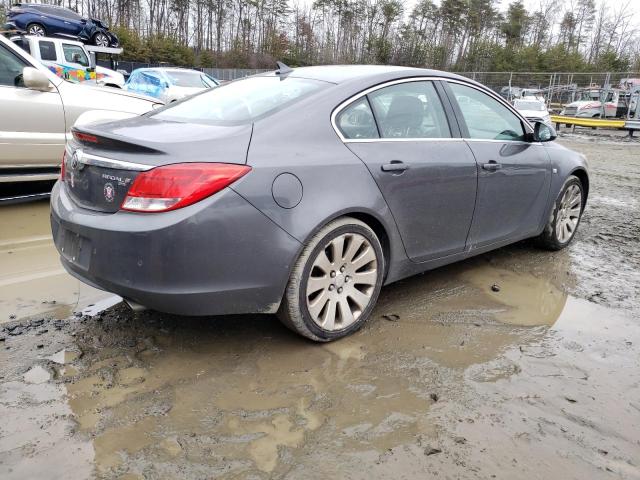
38,110
304,191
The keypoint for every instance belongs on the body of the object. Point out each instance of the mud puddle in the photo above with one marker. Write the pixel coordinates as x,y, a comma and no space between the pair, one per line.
32,280
520,364
450,375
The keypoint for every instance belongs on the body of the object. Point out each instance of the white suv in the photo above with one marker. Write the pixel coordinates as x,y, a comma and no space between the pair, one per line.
37,111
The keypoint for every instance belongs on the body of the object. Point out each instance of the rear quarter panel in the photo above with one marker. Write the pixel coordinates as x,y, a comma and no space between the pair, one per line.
301,141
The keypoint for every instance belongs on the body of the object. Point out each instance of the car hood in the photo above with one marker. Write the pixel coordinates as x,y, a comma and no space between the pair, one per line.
533,113
120,92
584,103
174,142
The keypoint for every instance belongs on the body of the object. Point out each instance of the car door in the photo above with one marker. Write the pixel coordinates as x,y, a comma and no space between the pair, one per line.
72,22
513,173
425,172
32,125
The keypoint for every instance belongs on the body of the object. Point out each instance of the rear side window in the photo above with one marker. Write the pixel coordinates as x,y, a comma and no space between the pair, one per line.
410,110
357,122
486,117
48,51
242,101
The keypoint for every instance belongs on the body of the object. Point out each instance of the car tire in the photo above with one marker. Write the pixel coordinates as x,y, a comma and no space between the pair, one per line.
36,29
100,39
565,216
350,279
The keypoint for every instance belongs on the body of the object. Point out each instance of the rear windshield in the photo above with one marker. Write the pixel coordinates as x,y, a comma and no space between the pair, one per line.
188,79
242,101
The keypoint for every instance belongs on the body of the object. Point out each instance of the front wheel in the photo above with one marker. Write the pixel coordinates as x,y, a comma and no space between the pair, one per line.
565,217
335,283
100,40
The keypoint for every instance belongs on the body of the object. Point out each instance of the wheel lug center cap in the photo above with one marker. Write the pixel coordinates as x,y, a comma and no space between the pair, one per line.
339,280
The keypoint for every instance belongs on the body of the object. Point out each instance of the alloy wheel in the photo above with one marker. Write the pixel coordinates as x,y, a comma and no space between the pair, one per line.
36,30
102,40
568,214
341,281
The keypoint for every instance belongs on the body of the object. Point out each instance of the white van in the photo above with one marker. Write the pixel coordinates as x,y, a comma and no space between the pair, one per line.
69,60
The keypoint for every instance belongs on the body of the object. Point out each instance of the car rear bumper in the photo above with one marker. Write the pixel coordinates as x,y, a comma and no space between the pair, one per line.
218,256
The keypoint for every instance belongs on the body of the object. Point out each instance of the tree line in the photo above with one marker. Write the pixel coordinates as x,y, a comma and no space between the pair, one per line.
459,35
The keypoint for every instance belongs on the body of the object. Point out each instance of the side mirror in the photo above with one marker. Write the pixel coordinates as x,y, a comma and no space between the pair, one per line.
543,132
34,79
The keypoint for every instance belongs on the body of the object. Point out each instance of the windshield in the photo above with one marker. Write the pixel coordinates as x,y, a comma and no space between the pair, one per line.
528,105
589,95
242,101
188,79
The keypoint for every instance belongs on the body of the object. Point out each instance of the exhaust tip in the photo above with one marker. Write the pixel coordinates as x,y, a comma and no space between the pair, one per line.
135,307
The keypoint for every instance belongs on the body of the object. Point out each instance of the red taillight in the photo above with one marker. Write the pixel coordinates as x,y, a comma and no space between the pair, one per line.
84,137
62,167
175,186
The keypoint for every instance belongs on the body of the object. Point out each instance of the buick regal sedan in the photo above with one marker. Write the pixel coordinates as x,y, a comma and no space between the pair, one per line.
302,192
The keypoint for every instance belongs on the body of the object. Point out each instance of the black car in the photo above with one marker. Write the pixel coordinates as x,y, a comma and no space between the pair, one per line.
52,21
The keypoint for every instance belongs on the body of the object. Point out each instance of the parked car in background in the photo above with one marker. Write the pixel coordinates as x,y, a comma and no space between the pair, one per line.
49,20
303,191
69,60
169,84
589,104
533,110
38,110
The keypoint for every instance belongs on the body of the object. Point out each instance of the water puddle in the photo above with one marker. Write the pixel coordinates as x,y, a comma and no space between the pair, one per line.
32,280
444,357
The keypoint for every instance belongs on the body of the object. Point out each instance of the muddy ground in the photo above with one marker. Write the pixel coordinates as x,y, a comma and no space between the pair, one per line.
449,379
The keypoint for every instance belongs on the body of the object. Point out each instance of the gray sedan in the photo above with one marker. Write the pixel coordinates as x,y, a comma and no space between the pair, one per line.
302,192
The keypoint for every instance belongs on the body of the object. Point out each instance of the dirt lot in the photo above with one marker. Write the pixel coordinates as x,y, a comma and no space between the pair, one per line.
450,379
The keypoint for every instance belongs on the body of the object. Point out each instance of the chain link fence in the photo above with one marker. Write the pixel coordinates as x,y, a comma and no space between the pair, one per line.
556,88
224,74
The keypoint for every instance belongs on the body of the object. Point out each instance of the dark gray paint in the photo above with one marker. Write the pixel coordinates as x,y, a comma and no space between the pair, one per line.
232,253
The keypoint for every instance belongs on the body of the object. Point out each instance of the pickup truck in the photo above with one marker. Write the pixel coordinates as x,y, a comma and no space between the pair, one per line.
70,60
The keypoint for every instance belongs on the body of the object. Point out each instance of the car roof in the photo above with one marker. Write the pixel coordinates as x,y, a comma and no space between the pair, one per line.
344,73
39,5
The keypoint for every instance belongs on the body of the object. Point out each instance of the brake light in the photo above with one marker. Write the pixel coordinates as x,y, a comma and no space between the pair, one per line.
62,167
175,186
84,137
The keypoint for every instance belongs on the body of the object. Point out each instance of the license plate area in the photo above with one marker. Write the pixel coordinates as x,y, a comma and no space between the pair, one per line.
75,248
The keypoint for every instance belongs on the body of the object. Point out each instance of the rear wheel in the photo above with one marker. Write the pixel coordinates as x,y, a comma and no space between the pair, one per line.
36,29
565,217
335,283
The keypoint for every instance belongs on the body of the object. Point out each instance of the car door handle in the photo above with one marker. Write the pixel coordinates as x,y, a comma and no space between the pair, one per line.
395,166
492,166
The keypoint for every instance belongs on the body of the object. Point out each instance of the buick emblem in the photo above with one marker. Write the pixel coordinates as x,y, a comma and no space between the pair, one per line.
109,192
76,160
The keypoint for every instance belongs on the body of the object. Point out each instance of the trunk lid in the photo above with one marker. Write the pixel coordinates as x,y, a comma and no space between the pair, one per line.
103,160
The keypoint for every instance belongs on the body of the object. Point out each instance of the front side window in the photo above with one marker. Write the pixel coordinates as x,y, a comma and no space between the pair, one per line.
486,117
75,54
242,101
356,121
48,51
410,110
10,68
